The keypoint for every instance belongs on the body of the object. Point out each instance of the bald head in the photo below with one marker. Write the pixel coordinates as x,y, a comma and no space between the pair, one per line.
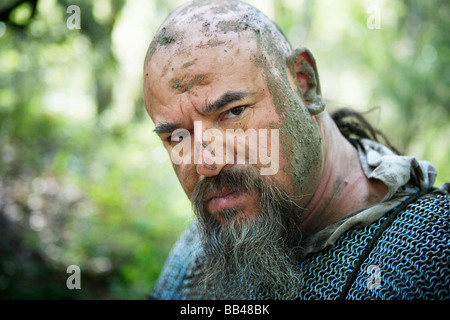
206,23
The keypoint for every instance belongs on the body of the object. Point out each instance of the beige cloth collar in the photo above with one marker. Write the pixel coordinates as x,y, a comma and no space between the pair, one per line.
403,176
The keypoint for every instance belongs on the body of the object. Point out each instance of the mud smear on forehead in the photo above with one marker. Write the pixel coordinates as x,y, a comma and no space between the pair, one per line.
165,37
185,85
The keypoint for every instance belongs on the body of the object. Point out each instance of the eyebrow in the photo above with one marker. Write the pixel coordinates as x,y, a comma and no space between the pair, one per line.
166,127
225,99
210,107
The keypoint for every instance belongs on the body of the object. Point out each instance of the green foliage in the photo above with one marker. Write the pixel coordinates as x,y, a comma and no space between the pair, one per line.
84,181
77,185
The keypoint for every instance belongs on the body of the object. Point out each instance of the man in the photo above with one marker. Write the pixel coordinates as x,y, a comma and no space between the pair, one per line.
301,213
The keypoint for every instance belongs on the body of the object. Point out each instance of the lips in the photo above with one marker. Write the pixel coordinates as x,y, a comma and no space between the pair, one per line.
224,199
225,191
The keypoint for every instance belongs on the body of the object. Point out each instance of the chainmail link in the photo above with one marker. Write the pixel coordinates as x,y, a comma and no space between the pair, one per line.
409,260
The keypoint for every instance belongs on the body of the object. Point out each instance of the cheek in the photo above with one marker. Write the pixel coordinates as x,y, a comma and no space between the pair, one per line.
187,175
302,150
307,160
284,177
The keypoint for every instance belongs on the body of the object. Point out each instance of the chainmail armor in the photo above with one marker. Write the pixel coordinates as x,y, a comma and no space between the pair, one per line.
408,249
412,255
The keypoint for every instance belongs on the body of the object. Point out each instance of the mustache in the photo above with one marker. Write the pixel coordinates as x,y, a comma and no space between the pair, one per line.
244,179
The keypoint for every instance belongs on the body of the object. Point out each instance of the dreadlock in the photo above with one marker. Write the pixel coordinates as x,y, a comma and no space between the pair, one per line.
353,126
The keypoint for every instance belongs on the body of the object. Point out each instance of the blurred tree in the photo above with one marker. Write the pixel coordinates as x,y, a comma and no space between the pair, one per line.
18,14
82,184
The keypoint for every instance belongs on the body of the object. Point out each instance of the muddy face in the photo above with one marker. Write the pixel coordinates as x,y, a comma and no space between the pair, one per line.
187,70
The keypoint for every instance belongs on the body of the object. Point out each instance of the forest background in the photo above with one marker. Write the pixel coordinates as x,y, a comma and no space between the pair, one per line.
83,179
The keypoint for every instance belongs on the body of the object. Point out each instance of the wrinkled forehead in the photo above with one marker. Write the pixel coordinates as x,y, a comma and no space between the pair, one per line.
216,62
194,56
197,45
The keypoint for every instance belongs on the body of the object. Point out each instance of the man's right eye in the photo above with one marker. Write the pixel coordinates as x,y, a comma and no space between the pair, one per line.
176,138
179,135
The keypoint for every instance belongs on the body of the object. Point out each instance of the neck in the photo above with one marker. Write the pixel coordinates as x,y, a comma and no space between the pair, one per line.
343,187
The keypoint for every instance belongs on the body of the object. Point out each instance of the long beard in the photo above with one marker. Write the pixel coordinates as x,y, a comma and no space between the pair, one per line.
249,258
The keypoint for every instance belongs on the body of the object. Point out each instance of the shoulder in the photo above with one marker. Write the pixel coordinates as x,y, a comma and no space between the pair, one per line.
184,252
411,258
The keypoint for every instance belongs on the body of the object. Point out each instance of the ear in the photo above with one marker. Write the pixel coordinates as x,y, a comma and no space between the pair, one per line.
303,67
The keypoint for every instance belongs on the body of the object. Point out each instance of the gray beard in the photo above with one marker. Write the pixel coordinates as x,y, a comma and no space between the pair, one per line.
249,259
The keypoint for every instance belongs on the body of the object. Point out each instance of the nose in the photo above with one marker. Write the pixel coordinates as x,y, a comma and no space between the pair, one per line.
209,152
208,170
209,164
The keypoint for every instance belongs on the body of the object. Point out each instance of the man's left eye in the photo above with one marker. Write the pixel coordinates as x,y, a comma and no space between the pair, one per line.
236,111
